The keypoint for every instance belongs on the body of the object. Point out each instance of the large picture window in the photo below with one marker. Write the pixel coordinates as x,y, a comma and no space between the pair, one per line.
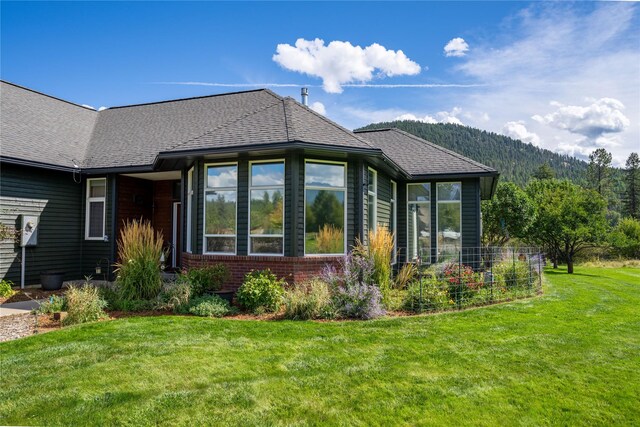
419,221
325,208
448,218
372,198
266,208
220,208
95,208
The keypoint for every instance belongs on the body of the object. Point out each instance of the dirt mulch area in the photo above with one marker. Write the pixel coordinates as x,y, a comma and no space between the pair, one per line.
23,325
28,294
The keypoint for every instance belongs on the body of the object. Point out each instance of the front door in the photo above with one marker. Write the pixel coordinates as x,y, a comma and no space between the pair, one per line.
176,236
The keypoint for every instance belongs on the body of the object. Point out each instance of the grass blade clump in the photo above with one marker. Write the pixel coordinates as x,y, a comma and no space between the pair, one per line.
84,304
138,268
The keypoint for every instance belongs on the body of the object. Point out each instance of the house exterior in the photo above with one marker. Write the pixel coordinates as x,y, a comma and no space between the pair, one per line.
250,179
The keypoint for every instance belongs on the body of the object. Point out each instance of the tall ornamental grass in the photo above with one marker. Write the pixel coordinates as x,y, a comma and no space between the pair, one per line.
379,251
138,268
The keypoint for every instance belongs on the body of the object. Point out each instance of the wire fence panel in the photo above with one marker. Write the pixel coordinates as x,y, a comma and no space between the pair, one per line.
475,277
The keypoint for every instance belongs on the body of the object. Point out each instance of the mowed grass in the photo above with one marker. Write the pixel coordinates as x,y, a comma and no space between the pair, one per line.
570,357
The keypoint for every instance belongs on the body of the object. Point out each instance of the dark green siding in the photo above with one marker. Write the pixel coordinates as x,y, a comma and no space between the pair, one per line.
243,207
58,200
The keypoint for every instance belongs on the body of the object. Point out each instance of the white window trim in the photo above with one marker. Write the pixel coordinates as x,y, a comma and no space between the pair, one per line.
373,193
267,187
190,195
102,199
438,211
394,220
346,199
206,188
409,219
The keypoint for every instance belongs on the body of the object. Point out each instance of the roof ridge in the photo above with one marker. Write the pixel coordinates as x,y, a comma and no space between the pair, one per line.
223,125
331,122
445,150
166,101
47,95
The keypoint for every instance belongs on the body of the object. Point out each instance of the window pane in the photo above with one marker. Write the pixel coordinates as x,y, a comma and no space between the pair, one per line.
222,176
324,226
267,174
96,219
266,245
98,188
372,213
324,175
419,231
221,244
449,236
419,192
449,191
371,181
266,212
220,212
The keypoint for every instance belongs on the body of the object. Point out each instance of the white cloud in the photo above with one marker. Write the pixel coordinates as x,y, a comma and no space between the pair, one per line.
319,108
456,47
602,116
518,130
439,117
340,62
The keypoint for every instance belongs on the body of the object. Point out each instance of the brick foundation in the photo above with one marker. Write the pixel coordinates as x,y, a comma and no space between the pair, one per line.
291,269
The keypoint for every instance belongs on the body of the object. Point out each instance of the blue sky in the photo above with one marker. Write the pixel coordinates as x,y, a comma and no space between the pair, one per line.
561,76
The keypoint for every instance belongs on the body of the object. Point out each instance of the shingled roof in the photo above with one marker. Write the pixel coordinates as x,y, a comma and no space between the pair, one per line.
419,157
37,128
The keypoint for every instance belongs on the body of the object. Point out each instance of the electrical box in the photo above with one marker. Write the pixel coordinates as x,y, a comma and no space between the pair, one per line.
29,230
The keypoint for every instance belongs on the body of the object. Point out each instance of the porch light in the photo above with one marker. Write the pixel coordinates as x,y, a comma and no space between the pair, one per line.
98,269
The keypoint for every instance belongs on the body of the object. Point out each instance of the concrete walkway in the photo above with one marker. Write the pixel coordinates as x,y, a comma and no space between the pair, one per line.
21,307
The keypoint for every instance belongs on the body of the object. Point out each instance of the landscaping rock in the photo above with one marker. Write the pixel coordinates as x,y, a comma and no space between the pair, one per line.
17,326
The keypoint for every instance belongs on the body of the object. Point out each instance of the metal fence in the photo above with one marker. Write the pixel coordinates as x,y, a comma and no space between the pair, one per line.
475,277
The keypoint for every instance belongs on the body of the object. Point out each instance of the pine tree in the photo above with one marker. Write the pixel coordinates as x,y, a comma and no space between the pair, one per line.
544,172
632,190
599,172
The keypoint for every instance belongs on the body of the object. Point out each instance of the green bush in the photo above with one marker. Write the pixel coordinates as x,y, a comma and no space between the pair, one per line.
139,251
6,288
261,291
206,280
512,274
174,295
625,238
210,306
54,304
432,297
308,300
84,304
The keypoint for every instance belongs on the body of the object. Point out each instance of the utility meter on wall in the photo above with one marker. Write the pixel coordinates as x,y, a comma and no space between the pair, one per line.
29,231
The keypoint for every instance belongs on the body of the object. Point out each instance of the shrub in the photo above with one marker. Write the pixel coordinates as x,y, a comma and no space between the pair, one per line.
308,300
462,280
625,238
174,295
84,304
358,301
406,275
54,304
261,291
6,288
139,251
352,270
206,279
512,274
330,240
209,306
433,296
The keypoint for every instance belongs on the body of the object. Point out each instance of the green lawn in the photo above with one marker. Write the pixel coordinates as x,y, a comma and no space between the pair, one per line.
569,357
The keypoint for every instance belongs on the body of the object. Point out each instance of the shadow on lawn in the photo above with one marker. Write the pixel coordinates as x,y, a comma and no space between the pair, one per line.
562,271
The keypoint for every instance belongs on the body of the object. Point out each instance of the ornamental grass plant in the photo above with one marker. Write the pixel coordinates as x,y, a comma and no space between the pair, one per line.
138,268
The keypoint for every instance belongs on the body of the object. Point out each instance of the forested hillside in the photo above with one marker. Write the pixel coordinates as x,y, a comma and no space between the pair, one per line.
515,160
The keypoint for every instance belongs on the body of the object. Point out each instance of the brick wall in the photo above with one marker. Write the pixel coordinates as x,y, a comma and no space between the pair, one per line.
291,269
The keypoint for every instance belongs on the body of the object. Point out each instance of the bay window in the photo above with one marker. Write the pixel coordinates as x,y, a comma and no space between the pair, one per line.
220,208
325,208
189,206
95,209
372,198
266,208
448,218
393,223
419,221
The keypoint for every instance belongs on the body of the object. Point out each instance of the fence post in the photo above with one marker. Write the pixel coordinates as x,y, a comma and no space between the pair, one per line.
491,271
539,269
514,277
460,278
